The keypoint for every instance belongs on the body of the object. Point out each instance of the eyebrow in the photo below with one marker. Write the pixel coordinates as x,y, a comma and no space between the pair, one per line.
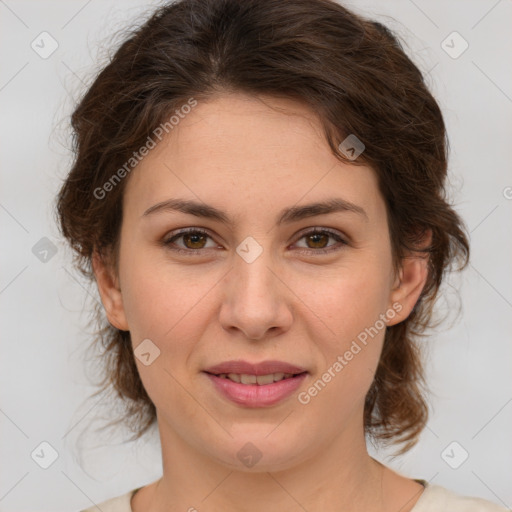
286,216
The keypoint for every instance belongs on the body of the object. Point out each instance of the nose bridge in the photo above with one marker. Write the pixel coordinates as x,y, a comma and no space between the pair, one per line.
252,265
252,274
254,301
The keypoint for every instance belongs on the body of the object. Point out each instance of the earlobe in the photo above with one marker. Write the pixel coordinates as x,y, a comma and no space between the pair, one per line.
109,291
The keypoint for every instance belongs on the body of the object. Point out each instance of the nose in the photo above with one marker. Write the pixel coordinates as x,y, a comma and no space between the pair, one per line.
256,301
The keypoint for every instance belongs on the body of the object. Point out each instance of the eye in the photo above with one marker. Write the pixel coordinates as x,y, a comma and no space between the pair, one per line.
319,237
195,239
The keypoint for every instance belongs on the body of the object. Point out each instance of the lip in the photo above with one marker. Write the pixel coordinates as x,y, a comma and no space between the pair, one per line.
255,395
262,368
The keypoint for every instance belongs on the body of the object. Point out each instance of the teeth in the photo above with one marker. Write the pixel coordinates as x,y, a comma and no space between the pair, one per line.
248,379
265,379
261,380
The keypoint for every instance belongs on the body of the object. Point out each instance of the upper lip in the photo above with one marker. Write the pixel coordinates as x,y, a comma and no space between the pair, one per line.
262,368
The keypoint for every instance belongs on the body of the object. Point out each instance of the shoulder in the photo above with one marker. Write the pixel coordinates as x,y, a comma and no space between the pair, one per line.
439,499
120,503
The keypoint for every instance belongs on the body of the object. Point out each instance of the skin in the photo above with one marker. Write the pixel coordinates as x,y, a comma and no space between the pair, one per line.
251,157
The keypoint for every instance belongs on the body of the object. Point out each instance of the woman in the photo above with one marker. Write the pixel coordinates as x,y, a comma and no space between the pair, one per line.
258,193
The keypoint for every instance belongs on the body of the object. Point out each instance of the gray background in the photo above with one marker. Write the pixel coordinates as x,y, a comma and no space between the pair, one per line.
43,381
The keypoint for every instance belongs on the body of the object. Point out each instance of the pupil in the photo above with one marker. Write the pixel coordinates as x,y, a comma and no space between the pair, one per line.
314,238
194,238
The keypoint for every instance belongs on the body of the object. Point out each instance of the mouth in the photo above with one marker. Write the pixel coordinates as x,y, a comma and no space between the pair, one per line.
256,384
260,380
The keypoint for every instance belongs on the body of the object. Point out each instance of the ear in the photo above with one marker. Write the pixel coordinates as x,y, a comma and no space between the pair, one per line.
410,282
110,292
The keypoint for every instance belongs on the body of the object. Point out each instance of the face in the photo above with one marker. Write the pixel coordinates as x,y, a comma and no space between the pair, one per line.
264,280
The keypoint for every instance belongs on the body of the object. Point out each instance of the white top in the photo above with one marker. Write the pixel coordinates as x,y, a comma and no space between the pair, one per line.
433,499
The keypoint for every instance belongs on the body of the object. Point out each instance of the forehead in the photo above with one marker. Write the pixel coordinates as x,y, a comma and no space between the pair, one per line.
239,126
263,148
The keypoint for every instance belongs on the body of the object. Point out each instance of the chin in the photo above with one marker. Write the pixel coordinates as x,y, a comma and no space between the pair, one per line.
259,453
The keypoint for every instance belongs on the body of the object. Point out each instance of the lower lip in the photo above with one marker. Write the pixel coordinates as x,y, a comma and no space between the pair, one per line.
253,395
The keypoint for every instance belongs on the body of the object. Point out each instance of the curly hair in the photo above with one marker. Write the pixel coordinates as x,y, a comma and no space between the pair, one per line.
354,74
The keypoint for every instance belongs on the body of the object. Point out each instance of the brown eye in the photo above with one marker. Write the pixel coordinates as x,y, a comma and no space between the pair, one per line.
196,240
193,240
318,239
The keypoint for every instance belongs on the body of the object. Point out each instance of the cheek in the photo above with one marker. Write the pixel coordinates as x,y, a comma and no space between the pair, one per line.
350,302
349,298
351,347
162,302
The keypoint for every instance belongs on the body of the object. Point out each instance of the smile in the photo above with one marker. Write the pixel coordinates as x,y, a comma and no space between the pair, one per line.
260,380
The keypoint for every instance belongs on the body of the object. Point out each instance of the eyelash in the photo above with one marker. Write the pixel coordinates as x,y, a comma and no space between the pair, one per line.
170,241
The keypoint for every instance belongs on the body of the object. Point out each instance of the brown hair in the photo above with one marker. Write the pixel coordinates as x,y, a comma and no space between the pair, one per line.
353,73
